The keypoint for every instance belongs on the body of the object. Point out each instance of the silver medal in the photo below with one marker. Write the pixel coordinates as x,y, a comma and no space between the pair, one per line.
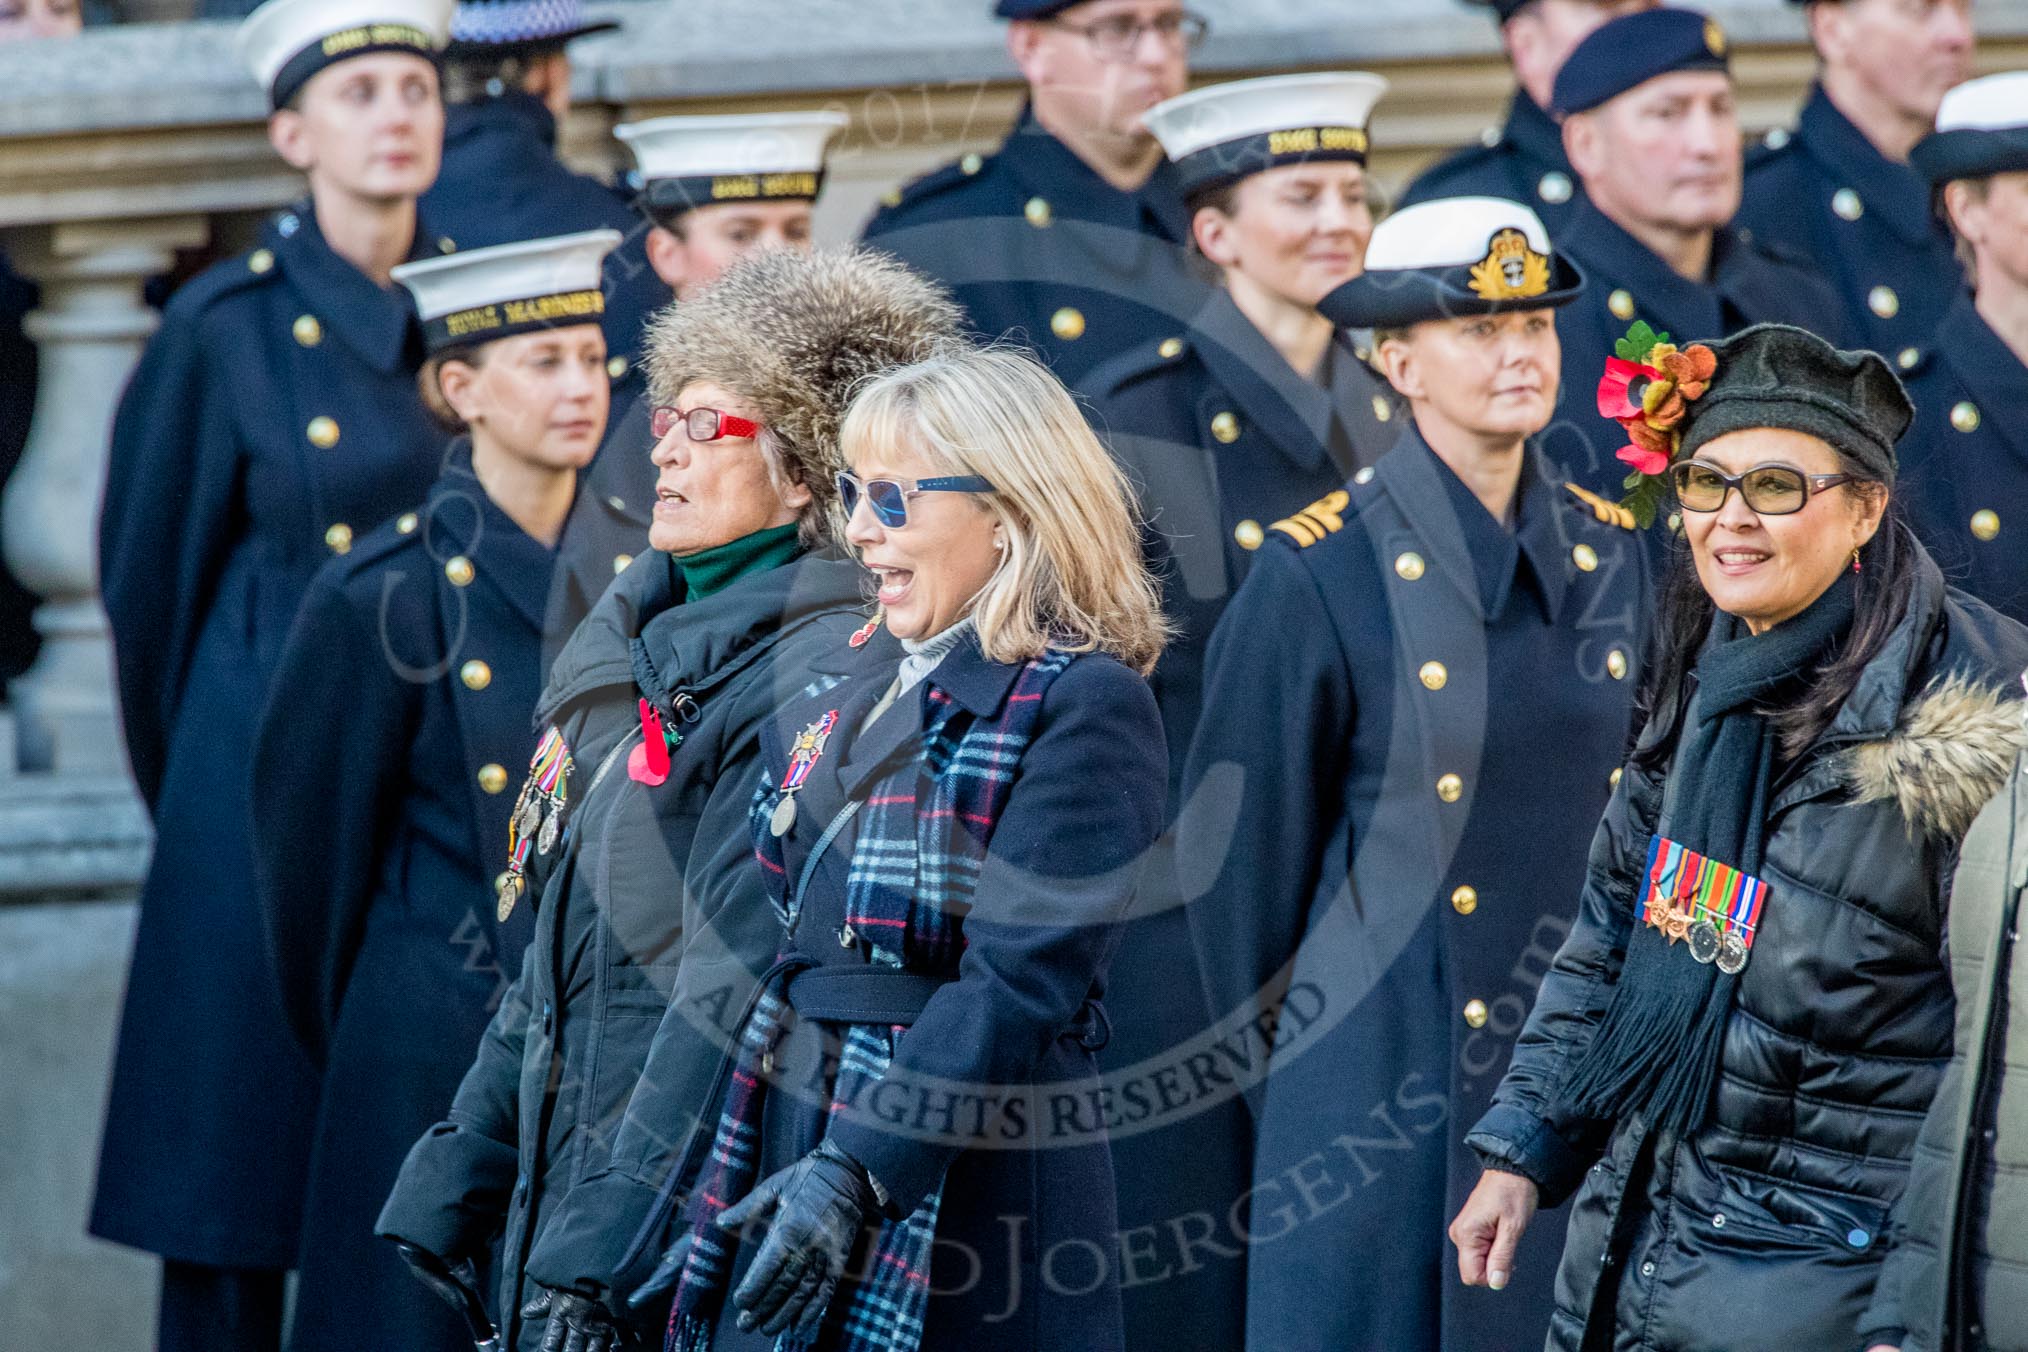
1732,954
784,816
1704,943
529,819
552,826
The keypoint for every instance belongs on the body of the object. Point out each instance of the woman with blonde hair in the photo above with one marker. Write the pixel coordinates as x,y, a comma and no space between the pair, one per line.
949,825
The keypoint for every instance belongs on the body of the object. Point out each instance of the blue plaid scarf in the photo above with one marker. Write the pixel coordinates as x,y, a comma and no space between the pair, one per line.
923,835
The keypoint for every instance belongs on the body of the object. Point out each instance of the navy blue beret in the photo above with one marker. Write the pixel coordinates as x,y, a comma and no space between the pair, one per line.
1634,49
1031,9
1502,9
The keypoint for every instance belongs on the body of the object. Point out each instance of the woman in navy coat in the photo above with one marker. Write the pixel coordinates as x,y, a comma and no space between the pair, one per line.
376,856
274,418
950,822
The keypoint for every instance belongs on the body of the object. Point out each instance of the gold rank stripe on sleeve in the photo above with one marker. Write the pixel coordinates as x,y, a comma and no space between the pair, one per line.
1323,517
1608,513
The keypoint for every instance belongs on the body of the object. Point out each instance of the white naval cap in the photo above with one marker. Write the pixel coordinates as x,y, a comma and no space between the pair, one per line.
1450,257
1981,129
285,42
1224,132
484,294
686,162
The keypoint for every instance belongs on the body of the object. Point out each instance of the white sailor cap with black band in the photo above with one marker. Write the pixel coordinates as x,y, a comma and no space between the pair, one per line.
1452,257
1223,133
689,162
484,294
285,42
1981,130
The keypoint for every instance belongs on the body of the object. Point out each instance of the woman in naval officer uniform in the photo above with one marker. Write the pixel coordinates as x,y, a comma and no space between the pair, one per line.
1414,708
1258,409
377,867
273,416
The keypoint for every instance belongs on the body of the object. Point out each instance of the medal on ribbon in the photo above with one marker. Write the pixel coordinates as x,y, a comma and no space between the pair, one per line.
1715,906
803,757
537,819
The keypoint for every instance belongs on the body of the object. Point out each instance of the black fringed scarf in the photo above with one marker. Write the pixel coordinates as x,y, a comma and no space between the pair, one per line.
1656,1050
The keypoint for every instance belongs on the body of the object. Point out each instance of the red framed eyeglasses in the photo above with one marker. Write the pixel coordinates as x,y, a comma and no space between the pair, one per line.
701,424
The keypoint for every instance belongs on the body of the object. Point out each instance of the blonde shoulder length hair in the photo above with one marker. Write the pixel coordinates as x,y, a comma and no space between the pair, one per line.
1072,576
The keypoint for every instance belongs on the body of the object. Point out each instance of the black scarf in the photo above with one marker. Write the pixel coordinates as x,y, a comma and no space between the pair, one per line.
1656,1050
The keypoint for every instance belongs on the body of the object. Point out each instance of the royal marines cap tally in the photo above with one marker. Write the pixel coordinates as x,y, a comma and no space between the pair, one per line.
285,42
1633,49
509,27
484,294
1452,257
1222,133
689,162
1981,130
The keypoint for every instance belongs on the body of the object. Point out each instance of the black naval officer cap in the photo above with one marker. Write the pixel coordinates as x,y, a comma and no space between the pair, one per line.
1981,130
1775,375
1634,49
1452,257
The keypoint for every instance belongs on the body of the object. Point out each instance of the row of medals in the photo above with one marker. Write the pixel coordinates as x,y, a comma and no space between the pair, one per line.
1708,943
538,812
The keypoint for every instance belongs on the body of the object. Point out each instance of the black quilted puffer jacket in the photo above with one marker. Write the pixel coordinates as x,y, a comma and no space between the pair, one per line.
1764,1230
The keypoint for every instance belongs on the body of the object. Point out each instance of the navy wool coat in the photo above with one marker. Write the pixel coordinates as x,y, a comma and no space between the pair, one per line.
273,419
1410,728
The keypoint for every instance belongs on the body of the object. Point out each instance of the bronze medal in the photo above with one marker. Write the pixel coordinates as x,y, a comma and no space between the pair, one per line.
1678,925
1704,943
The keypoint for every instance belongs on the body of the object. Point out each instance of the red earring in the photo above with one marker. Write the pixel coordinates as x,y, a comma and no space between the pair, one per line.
1855,560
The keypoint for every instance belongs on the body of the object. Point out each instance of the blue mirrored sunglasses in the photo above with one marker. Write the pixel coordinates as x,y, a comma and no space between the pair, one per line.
889,498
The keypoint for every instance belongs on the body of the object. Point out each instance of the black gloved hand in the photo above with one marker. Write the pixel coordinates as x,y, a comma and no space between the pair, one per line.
817,1204
458,1286
576,1323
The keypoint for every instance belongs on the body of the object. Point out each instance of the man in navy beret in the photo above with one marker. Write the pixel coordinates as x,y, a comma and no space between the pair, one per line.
1523,160
1838,190
1649,123
1072,238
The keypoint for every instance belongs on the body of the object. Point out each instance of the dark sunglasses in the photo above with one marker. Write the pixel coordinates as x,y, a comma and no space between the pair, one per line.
1771,490
700,424
889,499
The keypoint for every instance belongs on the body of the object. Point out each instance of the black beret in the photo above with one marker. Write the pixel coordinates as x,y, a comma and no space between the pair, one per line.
1632,50
1031,9
1773,375
1502,9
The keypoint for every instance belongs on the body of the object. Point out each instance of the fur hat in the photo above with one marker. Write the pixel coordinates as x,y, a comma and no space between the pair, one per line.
795,334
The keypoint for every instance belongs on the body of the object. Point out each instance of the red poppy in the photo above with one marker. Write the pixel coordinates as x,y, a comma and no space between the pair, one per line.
1646,461
1621,387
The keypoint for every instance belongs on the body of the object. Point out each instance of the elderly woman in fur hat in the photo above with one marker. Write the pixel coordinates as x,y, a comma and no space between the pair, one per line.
631,826
1730,1058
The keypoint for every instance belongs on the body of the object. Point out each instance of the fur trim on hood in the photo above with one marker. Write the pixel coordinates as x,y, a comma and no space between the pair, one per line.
795,334
1947,757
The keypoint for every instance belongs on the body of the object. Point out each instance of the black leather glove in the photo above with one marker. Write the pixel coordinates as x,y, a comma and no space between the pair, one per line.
458,1286
576,1323
817,1205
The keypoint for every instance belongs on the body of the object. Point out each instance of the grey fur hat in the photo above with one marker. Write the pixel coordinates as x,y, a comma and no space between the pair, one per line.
795,334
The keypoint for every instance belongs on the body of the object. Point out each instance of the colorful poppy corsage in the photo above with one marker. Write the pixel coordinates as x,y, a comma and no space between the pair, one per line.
1647,389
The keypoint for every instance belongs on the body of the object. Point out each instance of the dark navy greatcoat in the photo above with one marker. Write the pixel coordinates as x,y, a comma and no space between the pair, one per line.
1410,728
1823,197
273,419
377,848
1964,462
1626,281
1221,438
502,182
1523,162
1040,250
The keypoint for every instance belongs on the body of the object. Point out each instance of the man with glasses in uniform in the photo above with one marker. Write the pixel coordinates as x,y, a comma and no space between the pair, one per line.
1072,238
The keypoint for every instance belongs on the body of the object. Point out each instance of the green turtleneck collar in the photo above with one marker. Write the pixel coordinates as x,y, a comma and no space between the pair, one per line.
713,570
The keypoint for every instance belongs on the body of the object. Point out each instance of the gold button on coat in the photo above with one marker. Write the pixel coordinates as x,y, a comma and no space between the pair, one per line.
1475,1013
1585,557
1408,567
1621,303
460,571
339,538
891,198
323,433
1038,212
1613,779
476,675
1434,675
1908,358
1364,476
1170,349
971,164
1965,417
307,330
407,522
1616,664
1225,427
1248,534
493,778
260,260
1883,302
1382,409
617,368
1067,323
1985,523
1450,788
1465,900
621,562
1847,204
1555,188
445,244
